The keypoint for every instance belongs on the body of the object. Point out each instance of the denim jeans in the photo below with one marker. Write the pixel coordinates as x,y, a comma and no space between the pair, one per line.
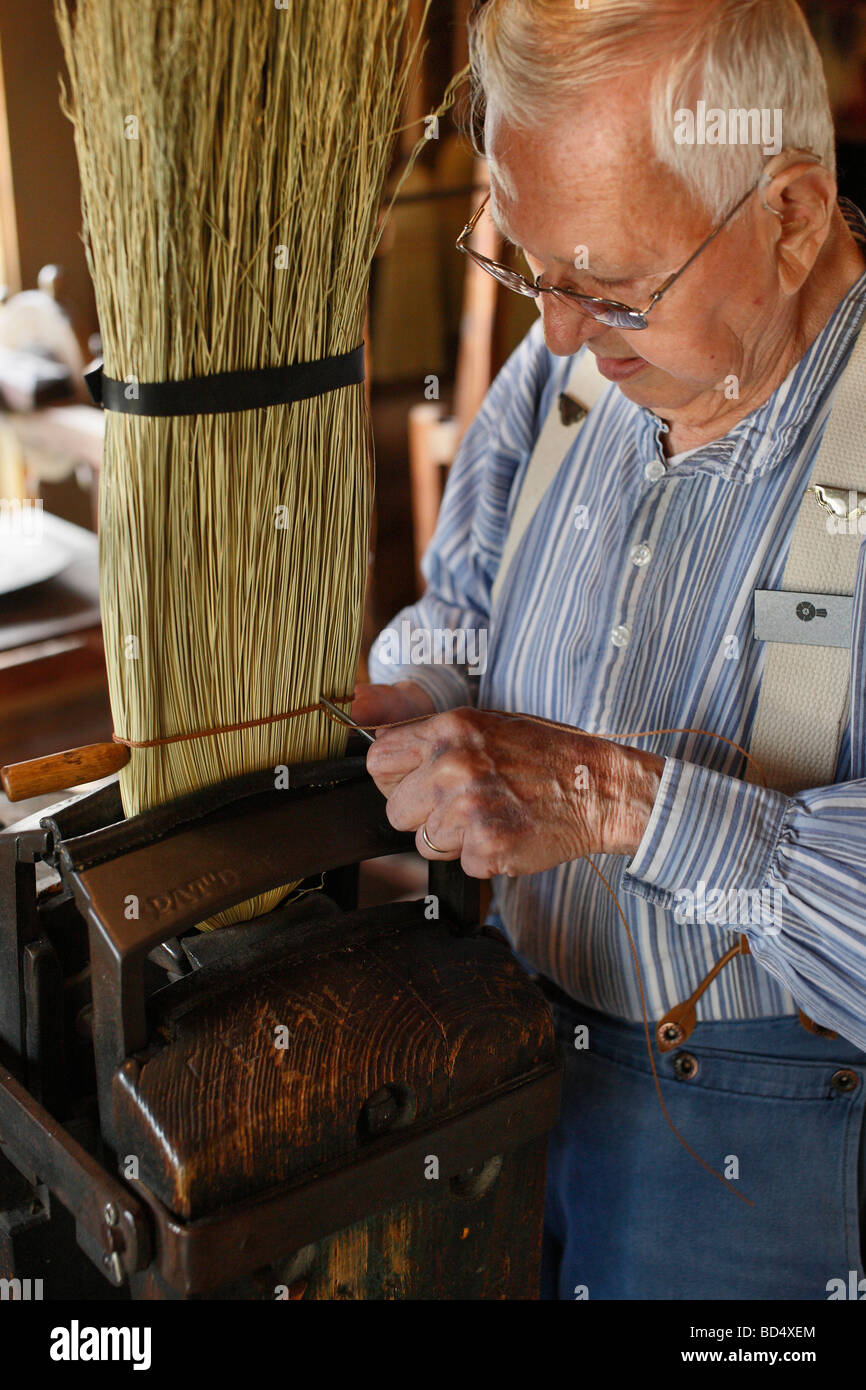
631,1215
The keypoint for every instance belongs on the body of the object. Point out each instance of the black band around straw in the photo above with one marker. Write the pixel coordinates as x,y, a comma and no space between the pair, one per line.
226,392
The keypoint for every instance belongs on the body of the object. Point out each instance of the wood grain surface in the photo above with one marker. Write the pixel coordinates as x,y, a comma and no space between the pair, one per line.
217,1111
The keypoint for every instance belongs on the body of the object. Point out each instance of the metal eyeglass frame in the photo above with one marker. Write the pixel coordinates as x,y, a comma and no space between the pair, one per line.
607,311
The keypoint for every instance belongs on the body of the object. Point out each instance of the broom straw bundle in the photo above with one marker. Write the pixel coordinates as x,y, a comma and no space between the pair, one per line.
232,158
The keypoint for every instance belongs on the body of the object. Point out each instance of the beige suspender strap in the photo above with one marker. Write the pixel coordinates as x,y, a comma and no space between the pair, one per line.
584,384
803,700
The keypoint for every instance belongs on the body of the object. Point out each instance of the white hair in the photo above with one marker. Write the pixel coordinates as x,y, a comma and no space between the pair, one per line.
532,58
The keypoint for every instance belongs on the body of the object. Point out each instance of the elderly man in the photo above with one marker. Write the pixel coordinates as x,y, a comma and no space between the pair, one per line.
664,565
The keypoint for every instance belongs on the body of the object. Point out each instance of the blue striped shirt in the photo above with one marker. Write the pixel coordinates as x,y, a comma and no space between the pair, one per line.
713,525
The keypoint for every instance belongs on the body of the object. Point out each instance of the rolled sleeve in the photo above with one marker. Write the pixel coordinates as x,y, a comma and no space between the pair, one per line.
705,826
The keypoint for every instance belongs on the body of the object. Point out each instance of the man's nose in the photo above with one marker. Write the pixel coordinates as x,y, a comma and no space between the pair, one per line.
566,326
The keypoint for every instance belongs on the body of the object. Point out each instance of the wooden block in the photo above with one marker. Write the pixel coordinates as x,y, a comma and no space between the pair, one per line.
217,1112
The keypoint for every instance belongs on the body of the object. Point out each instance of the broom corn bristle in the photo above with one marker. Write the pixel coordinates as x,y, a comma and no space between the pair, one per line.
232,158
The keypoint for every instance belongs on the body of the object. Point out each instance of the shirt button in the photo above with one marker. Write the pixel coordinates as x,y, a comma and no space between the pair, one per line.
620,636
640,554
654,470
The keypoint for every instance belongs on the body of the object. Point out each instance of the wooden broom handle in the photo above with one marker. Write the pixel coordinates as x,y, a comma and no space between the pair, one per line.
59,770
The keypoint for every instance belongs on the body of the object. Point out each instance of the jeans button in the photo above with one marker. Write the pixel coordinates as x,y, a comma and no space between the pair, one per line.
844,1081
685,1066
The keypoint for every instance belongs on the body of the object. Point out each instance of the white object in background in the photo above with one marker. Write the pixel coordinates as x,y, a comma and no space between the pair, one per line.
35,546
33,322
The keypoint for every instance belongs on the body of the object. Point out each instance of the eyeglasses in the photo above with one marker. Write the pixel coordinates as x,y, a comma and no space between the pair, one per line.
607,311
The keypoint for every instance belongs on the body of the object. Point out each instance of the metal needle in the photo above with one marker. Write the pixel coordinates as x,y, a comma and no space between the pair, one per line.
346,719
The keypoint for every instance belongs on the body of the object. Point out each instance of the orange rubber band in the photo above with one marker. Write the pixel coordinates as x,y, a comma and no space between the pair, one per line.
233,728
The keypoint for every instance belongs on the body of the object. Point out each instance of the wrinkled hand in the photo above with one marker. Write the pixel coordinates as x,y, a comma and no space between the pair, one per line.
505,794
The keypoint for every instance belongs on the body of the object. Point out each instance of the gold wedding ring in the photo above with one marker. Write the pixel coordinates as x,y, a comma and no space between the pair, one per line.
429,843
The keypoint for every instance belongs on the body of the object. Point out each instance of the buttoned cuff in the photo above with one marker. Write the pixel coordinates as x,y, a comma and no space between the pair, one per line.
705,827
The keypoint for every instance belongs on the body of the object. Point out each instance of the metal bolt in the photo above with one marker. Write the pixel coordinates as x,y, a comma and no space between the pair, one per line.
391,1107
685,1066
380,1111
844,1080
110,1214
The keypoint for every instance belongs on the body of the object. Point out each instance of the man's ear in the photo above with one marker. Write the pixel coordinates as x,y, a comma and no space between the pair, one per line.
802,196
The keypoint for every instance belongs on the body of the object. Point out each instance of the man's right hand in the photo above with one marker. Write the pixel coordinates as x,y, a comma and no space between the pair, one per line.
389,704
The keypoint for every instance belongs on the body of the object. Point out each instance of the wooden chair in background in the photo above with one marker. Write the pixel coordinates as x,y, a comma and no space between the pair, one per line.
434,436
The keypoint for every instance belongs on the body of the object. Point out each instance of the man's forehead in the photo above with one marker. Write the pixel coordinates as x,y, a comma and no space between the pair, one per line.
553,225
606,127
586,181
